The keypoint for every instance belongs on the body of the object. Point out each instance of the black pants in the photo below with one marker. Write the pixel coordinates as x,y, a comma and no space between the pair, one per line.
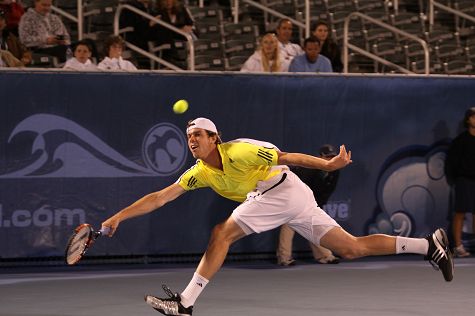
58,51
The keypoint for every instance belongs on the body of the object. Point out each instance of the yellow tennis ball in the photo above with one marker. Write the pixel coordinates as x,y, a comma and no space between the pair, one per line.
180,106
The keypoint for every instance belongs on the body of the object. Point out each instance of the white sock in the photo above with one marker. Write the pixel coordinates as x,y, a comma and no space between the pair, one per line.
411,245
193,290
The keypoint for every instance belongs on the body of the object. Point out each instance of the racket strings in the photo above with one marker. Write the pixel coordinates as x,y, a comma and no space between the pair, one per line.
77,246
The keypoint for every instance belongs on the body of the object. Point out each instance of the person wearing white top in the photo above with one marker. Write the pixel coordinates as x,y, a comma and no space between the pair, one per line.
81,60
266,58
114,61
116,64
284,33
43,32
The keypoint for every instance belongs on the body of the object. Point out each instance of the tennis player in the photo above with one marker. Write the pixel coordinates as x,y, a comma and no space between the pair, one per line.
256,174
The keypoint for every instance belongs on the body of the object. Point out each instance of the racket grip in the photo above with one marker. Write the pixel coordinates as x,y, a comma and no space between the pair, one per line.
105,230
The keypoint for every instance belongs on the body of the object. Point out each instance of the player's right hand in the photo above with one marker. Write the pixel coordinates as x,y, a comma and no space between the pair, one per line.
112,223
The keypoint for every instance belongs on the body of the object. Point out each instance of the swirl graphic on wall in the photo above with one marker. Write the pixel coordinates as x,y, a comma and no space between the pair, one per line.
63,149
412,192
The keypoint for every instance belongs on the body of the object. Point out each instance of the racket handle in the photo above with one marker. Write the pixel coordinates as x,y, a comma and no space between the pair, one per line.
105,230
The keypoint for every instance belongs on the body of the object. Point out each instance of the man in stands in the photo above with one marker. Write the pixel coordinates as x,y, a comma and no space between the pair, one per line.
43,32
288,50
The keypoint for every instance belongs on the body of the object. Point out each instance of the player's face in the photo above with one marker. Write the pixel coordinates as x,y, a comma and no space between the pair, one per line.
200,143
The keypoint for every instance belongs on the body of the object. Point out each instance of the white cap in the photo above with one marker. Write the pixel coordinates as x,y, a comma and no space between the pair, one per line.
203,123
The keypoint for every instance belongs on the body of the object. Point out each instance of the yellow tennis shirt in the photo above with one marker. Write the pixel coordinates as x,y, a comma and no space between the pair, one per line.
244,164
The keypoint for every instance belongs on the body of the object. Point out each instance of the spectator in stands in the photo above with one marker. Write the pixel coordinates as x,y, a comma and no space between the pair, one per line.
81,60
43,32
328,47
13,10
142,26
267,57
114,47
322,183
311,61
8,60
288,49
9,42
460,171
176,14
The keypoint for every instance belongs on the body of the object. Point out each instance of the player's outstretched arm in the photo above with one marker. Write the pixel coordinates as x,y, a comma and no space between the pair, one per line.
307,161
144,205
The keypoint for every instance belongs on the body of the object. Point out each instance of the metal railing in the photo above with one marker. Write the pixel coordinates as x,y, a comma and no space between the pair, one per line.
189,39
347,45
441,6
79,19
273,12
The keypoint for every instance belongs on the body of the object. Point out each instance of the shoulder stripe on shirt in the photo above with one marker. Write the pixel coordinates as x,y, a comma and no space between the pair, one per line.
179,179
265,155
192,181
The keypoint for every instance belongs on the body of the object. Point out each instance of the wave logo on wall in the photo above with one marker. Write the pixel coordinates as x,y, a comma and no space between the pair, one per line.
164,148
63,149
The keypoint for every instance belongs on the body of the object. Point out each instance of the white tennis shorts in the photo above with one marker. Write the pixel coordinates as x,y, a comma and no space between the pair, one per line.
283,199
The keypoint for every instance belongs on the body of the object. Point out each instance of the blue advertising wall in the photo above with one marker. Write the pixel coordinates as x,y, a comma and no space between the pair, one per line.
79,147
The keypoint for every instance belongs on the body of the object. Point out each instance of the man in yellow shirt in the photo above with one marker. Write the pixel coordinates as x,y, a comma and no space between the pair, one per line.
256,174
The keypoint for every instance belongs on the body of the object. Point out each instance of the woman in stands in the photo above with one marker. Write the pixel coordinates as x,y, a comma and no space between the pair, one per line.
176,14
329,48
267,57
10,42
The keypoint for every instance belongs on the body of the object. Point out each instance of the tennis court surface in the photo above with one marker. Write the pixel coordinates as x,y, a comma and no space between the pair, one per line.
381,286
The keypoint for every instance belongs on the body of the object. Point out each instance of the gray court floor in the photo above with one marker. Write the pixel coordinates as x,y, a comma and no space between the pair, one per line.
389,286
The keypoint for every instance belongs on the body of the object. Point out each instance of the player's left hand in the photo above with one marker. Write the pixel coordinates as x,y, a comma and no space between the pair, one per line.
342,159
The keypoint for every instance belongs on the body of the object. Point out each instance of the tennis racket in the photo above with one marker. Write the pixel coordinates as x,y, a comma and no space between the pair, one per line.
82,238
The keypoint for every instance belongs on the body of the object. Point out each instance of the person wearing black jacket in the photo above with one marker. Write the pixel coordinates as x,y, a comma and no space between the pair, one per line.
328,47
460,171
142,32
177,15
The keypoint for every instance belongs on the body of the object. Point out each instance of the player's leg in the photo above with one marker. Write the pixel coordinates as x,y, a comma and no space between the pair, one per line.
222,236
319,228
284,249
435,247
260,212
351,247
